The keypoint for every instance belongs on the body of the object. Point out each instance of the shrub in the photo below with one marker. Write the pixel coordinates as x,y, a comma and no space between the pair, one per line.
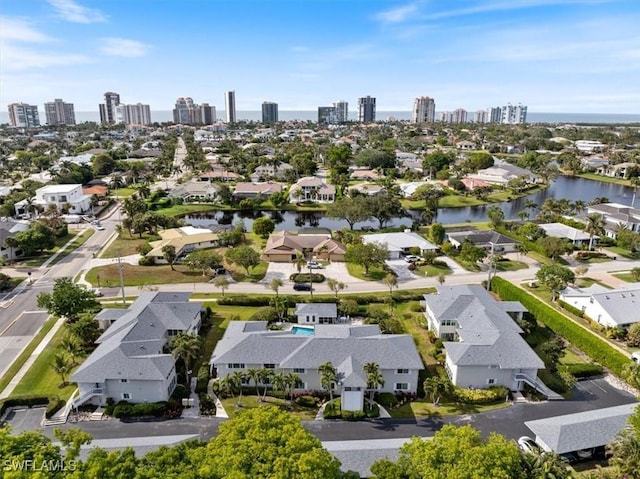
55,404
354,415
387,400
203,379
306,401
306,277
207,405
181,392
265,314
597,349
147,261
144,248
480,396
415,307
584,370
125,410
571,309
244,301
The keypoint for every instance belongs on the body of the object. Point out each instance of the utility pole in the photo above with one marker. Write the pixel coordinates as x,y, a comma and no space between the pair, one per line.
120,266
491,261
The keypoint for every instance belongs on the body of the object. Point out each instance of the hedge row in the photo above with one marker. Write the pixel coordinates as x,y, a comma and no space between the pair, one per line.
53,403
480,396
124,410
242,300
572,309
597,349
306,277
584,370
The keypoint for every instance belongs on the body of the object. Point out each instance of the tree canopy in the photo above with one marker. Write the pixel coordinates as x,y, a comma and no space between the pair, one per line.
67,299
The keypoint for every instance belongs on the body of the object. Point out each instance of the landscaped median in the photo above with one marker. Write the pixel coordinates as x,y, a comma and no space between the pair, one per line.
596,348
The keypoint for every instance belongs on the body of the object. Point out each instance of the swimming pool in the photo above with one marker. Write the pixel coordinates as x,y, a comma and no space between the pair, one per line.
302,330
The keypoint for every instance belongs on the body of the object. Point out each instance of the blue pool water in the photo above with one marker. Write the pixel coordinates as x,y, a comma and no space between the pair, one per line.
302,331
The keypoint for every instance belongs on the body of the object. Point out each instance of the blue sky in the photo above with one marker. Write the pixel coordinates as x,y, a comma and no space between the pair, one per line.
552,55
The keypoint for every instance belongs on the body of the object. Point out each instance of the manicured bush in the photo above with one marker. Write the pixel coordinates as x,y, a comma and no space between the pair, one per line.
596,348
306,278
203,379
244,301
480,396
572,309
26,400
207,405
306,401
144,248
354,415
146,261
386,400
125,410
585,370
181,392
372,412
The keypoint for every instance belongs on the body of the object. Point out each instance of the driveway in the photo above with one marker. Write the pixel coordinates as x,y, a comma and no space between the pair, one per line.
401,268
336,270
453,266
25,419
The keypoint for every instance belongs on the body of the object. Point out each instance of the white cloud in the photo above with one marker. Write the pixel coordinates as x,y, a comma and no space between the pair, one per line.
398,15
73,12
123,47
21,30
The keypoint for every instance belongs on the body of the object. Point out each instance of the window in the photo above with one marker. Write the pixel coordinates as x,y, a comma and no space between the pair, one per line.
299,370
124,380
491,381
493,366
402,371
126,396
269,366
235,365
401,386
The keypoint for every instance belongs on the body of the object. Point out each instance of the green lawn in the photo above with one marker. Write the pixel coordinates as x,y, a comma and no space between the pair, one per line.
134,275
126,245
75,244
628,277
255,274
586,282
432,270
604,179
376,273
510,265
425,408
539,257
625,253
24,355
124,192
251,401
414,323
459,201
41,379
37,261
182,210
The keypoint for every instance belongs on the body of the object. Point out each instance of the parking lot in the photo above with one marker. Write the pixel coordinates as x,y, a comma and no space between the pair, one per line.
22,420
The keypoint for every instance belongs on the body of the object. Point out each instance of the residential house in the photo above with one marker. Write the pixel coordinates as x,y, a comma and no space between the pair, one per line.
582,431
465,145
589,146
311,188
185,240
364,175
483,239
594,162
250,344
61,196
400,244
408,162
253,190
8,229
502,172
615,216
614,308
471,184
576,236
367,189
283,246
132,361
219,174
269,171
620,170
317,313
483,342
195,191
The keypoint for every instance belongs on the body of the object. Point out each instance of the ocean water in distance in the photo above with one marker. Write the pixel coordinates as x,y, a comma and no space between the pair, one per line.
308,115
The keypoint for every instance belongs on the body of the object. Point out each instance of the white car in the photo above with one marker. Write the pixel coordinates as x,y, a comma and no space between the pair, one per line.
314,265
528,445
636,356
412,258
100,227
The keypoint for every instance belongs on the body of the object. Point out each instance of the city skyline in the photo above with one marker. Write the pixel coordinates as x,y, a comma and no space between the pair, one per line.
553,55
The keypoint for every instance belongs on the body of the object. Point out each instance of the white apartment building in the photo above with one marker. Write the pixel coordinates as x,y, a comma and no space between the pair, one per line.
61,196
59,113
424,110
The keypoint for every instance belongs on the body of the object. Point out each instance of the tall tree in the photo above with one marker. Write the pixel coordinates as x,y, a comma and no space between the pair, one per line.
203,259
188,347
374,379
336,286
594,227
169,254
222,283
367,255
67,299
390,281
244,256
328,377
351,209
555,277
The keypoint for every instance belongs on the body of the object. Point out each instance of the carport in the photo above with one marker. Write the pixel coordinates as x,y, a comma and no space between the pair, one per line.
580,431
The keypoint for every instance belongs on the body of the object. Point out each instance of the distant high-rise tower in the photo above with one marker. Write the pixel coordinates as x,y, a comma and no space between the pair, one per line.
23,115
59,113
230,106
269,112
514,115
366,109
459,115
327,115
208,114
342,111
108,108
495,114
424,110
186,112
481,116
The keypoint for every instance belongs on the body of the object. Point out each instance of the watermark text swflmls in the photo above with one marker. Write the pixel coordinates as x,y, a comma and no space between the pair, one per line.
38,465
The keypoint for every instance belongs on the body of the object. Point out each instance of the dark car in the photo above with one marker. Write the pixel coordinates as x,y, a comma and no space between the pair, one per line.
301,287
220,271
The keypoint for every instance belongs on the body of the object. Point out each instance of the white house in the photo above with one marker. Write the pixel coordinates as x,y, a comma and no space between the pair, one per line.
8,229
502,172
317,313
576,236
61,196
616,215
302,349
483,342
132,361
401,243
311,188
185,240
608,307
195,191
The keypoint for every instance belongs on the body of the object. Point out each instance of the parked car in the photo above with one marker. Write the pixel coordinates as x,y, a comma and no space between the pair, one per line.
220,271
528,445
314,265
100,227
301,287
412,258
636,356
97,292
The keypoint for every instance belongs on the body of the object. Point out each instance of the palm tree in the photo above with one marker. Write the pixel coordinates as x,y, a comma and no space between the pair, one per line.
391,282
328,376
279,382
188,347
62,364
300,262
291,381
253,374
237,380
71,346
222,283
336,286
276,284
374,379
265,376
579,206
594,226
546,465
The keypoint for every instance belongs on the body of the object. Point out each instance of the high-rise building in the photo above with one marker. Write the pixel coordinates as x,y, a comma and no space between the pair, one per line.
108,108
58,112
459,115
342,111
230,106
495,114
208,114
138,114
23,115
366,109
481,116
327,115
269,112
186,112
513,114
424,110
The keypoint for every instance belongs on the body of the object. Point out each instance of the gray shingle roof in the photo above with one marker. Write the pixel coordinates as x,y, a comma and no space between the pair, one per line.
324,310
488,335
623,304
584,430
